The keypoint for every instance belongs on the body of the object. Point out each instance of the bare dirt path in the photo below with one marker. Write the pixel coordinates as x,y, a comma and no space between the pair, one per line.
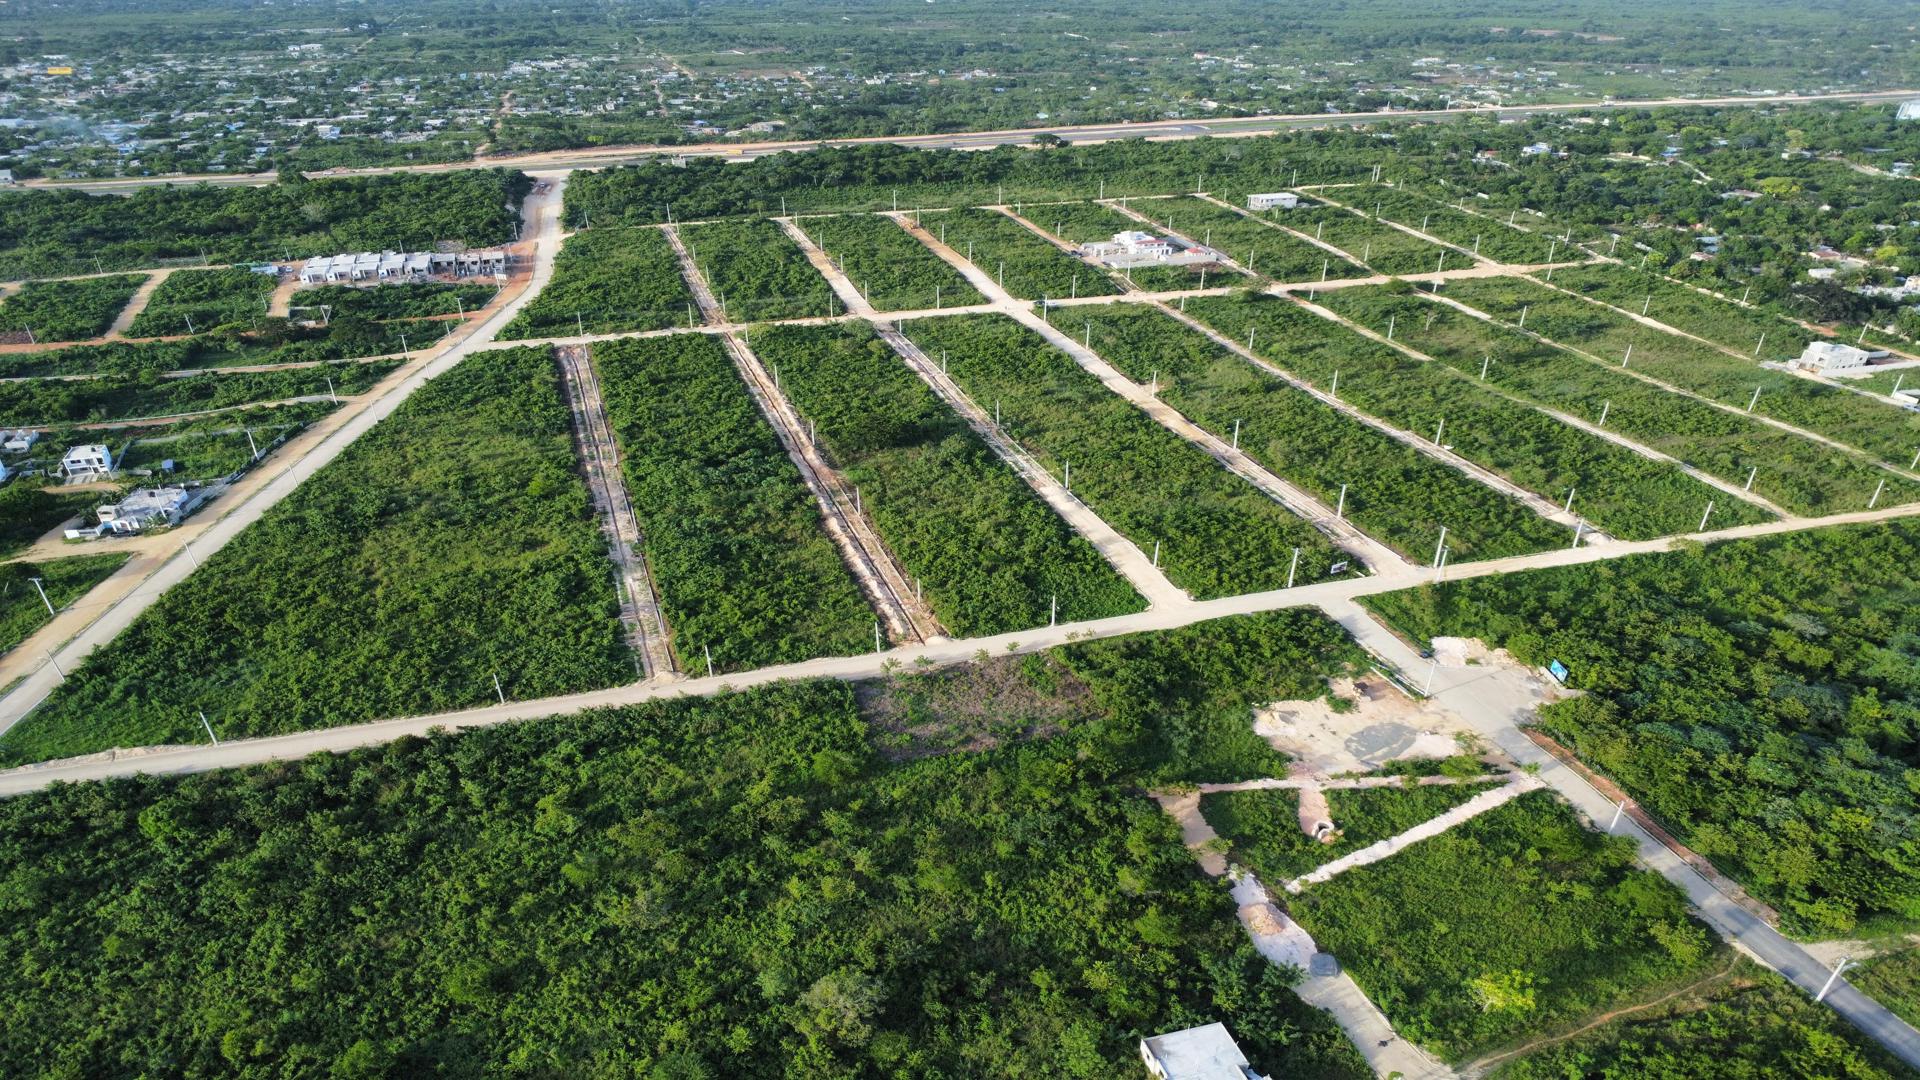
136,304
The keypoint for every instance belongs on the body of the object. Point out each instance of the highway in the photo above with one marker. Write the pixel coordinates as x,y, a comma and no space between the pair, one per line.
601,157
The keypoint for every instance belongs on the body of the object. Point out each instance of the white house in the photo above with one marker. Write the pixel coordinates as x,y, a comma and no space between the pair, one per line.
1136,248
1909,110
147,508
89,462
18,442
1201,1053
1538,149
1284,200
1833,356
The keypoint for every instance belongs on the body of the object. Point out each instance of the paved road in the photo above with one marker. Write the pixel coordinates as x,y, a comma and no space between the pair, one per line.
566,160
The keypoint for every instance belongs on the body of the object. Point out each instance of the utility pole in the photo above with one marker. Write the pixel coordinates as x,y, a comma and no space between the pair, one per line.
1705,516
1292,566
709,655
1486,362
1236,434
1340,511
251,445
1755,400
1875,501
1156,554
497,692
1844,963
43,595
1568,509
1604,407
209,727
1440,548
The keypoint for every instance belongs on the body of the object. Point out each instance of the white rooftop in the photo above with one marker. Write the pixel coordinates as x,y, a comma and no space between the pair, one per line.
1201,1053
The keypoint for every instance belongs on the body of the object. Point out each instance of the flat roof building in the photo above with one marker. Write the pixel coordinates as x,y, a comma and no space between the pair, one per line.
18,442
1284,200
147,508
1201,1053
1833,356
90,460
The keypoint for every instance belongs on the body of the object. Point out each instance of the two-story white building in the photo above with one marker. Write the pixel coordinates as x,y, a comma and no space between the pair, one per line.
1201,1053
148,508
91,461
1831,356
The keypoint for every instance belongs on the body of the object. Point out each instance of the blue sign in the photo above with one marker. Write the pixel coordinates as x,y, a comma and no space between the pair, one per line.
1558,670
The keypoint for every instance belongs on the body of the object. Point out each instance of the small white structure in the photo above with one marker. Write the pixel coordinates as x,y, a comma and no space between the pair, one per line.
1909,110
6,178
399,266
1832,356
1201,1053
3,472
87,462
147,508
18,442
1135,248
1284,200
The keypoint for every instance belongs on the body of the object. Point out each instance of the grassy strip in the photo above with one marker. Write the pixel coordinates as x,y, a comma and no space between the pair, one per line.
1683,308
757,271
277,342
992,556
1024,263
1392,491
65,580
608,280
1491,238
1626,494
408,300
1797,473
1375,245
1887,432
451,544
68,310
1518,918
734,538
1263,827
200,300
104,399
1270,251
892,269
1218,534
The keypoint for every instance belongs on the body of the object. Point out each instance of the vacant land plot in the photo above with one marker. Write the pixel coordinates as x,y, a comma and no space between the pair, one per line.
745,569
65,580
28,513
1216,533
422,300
1488,237
1882,430
1392,491
192,301
1517,919
894,271
1624,493
1025,264
72,310
276,342
1376,245
451,544
1799,790
131,397
756,271
1719,321
1794,472
210,446
1267,250
991,555
1751,1023
608,280
1264,830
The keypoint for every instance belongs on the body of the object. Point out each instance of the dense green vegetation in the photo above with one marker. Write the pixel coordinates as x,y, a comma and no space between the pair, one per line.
1761,698
744,567
1754,1025
607,280
1392,491
894,271
1023,263
1180,703
72,310
1794,472
28,512
411,300
1892,979
1373,244
132,397
1488,237
756,271
48,233
1269,251
452,543
1849,418
1263,827
205,447
1687,309
273,341
735,885
1623,492
190,301
1218,534
992,556
1517,918
66,580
